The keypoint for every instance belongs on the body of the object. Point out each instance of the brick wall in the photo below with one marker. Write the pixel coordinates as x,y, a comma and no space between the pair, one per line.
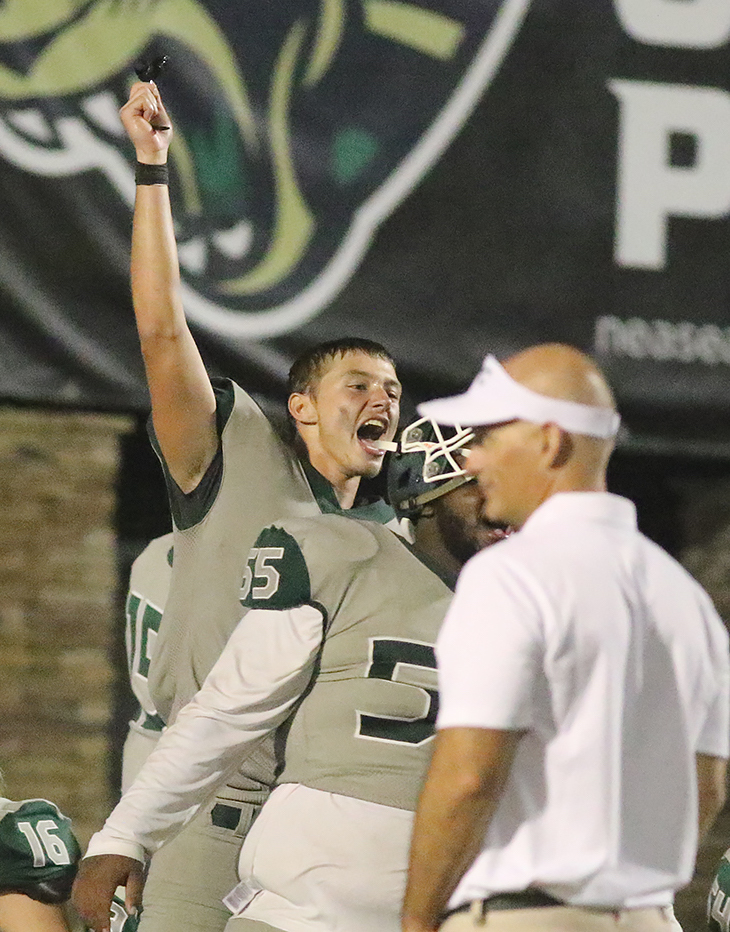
57,584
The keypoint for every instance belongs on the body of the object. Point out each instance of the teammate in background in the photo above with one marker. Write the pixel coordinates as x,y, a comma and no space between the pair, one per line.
337,644
229,474
149,584
718,900
39,857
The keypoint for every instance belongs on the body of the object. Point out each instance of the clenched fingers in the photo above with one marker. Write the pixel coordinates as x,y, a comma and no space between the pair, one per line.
96,882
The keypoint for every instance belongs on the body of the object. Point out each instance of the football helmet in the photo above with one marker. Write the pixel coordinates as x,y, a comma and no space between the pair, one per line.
428,462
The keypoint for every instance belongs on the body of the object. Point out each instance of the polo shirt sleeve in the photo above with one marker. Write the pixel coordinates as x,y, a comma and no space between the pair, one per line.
489,650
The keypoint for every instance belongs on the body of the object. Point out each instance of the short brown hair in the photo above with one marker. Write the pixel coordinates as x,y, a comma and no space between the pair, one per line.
309,368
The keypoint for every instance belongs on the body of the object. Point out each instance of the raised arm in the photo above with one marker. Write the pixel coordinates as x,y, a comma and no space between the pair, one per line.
183,403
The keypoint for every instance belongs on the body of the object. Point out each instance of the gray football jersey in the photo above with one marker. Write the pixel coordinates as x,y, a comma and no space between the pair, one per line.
261,481
365,725
214,528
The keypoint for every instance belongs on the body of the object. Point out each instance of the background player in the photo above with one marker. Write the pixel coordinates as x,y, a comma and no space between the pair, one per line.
38,860
229,473
342,615
718,900
149,584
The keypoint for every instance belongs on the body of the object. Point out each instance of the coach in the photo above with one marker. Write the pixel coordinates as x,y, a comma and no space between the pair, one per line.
585,683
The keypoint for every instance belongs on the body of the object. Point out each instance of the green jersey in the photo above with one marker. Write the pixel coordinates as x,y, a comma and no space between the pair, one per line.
38,850
718,901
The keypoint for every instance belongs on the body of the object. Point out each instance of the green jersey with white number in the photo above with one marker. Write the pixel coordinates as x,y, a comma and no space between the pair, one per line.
38,850
364,726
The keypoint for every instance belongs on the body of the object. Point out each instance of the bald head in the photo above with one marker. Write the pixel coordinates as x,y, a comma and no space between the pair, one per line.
544,422
561,371
565,372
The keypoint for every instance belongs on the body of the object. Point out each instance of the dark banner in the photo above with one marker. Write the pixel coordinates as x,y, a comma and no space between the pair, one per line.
451,177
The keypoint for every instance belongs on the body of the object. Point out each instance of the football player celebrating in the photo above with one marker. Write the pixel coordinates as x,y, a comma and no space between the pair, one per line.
229,472
335,653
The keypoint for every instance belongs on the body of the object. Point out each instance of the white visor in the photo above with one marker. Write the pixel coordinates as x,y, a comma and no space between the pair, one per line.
495,398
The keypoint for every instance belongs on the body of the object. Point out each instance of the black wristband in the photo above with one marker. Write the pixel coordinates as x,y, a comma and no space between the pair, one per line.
151,174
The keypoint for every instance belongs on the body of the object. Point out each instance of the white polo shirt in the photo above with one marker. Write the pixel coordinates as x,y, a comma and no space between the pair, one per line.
587,635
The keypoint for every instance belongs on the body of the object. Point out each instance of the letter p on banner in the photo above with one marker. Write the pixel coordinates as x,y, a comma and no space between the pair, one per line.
650,189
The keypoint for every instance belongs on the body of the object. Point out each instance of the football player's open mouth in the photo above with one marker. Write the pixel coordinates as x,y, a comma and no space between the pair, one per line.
369,434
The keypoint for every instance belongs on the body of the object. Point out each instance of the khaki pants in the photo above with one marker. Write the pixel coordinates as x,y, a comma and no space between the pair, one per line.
561,919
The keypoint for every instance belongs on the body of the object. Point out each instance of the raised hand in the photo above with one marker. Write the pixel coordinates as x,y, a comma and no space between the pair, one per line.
147,124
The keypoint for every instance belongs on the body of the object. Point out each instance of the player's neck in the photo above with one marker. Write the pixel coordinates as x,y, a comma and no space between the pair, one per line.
345,487
346,491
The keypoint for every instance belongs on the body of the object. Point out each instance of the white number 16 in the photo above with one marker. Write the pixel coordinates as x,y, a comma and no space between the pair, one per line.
43,842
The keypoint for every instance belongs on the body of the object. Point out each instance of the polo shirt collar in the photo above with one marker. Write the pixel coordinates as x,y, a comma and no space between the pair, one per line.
600,507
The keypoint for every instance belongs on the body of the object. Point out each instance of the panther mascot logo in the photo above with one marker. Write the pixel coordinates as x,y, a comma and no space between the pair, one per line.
299,126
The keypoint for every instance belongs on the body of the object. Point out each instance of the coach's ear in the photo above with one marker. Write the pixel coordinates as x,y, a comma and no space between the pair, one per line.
302,408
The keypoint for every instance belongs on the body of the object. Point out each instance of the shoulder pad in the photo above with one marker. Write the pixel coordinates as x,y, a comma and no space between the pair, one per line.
335,538
38,850
276,574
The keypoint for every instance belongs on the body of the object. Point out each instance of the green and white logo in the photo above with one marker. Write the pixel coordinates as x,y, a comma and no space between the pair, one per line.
299,127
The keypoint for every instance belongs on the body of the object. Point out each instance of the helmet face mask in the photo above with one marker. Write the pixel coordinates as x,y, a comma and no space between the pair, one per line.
438,444
428,463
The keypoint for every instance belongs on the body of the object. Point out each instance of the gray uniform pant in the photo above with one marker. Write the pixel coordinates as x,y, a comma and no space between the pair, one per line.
189,877
248,925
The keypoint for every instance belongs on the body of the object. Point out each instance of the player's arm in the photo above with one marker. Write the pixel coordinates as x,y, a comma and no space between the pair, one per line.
20,913
711,791
465,781
254,685
183,403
